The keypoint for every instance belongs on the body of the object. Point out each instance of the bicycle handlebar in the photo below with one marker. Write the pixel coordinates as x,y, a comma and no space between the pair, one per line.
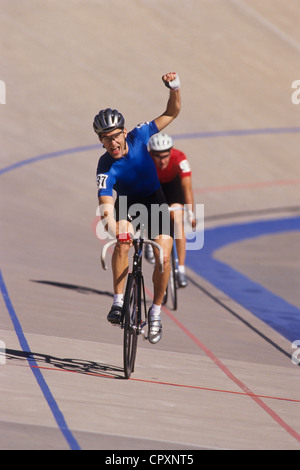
149,242
104,250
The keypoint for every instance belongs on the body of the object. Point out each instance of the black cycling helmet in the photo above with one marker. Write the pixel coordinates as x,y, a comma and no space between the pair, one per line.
107,120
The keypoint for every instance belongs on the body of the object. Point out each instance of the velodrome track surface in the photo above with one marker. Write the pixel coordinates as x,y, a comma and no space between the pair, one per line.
222,377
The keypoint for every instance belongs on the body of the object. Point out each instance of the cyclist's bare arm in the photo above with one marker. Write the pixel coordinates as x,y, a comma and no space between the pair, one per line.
173,104
106,205
107,214
186,185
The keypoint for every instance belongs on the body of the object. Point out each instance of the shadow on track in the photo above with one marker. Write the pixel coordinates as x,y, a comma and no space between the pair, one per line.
80,289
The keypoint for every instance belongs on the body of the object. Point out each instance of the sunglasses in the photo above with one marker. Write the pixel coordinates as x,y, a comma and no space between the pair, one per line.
159,156
107,139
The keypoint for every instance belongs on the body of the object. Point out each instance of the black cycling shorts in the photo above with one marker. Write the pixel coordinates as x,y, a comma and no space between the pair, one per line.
173,191
152,212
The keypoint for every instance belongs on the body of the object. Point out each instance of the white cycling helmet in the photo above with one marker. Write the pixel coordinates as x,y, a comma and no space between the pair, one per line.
160,143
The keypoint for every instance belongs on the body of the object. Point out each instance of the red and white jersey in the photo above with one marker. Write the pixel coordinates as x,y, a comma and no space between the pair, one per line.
178,165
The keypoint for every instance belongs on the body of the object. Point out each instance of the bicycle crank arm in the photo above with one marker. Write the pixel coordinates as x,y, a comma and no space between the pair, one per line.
142,331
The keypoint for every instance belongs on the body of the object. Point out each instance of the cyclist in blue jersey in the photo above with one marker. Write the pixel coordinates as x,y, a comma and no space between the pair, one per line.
128,168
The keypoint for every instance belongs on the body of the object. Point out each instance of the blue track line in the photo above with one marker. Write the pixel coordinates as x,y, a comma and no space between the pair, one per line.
238,133
46,156
58,416
270,308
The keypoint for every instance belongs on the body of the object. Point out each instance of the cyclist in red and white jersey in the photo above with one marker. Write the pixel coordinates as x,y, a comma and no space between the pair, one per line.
175,176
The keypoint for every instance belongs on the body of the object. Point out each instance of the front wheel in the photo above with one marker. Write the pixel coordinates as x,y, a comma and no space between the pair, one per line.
130,326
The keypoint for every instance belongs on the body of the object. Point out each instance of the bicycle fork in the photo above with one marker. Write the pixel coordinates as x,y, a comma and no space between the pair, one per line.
140,324
142,305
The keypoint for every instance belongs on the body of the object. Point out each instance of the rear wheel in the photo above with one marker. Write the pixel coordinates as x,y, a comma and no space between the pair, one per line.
130,326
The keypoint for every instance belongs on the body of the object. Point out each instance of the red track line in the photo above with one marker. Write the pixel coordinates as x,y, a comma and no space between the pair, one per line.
232,377
170,384
258,184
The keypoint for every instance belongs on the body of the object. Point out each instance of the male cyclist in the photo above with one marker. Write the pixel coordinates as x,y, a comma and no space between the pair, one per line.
128,168
175,175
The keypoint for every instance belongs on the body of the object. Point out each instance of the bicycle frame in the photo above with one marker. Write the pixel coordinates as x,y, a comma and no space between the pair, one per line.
175,260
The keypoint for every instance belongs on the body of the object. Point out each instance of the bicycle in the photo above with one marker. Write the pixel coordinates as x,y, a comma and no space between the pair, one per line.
134,316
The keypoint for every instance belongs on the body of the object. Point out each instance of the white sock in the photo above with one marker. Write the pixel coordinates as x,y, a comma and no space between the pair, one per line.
118,300
181,269
155,310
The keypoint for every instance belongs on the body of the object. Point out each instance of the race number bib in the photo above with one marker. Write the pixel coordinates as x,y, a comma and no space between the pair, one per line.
101,181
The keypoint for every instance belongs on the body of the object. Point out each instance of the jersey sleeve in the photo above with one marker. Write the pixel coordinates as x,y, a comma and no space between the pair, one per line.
144,131
105,179
183,165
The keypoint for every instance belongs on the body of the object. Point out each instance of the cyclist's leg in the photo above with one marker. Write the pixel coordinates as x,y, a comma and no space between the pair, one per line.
120,259
160,280
119,263
178,219
175,198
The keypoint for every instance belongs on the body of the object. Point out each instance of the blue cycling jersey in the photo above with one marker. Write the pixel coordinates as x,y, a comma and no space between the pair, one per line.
134,174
